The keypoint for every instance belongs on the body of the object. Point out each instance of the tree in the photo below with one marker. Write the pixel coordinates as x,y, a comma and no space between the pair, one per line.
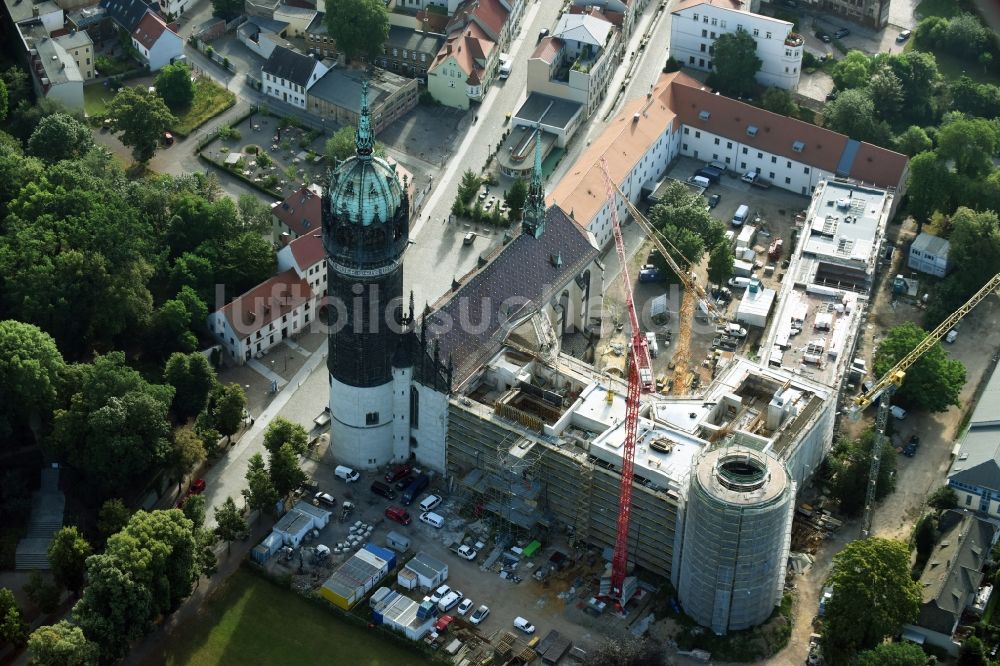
282,431
966,37
195,306
230,524
245,261
260,493
11,624
286,475
142,118
736,64
886,92
61,644
174,85
30,365
193,379
43,592
358,26
188,452
255,215
970,143
925,535
942,499
115,608
15,80
930,185
921,80
683,218
852,71
850,462
516,197
194,510
68,555
226,404
720,263
227,9
113,517
779,100
671,66
975,246
4,100
205,559
853,114
115,428
469,186
913,140
341,145
60,137
972,653
893,654
975,99
873,596
933,382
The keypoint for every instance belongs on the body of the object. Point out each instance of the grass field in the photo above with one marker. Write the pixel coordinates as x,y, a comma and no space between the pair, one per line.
253,621
95,97
210,99
942,8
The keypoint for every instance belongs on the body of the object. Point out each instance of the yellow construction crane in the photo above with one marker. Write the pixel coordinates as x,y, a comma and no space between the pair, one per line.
885,387
692,290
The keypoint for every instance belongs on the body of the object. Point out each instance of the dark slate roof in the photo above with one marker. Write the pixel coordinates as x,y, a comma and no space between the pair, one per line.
548,110
954,571
127,13
290,65
411,40
516,281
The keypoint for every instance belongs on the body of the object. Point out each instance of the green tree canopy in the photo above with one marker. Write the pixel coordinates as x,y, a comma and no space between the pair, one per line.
736,64
30,365
516,198
60,137
115,608
254,214
779,100
61,644
227,9
225,408
853,113
4,100
260,493
187,452
886,92
113,517
852,71
933,382
850,462
975,246
174,85
68,555
972,653
11,624
929,186
683,218
469,185
230,524
114,428
720,263
358,27
893,654
976,99
142,118
286,474
873,596
970,144
913,140
282,431
194,510
193,378
246,261
942,499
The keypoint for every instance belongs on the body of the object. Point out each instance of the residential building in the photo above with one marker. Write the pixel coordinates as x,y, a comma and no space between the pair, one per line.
871,13
173,9
336,94
318,39
79,45
577,61
156,43
975,471
951,578
464,68
47,12
929,254
54,72
409,52
298,18
306,256
288,75
682,117
499,19
297,215
620,12
698,23
262,35
272,311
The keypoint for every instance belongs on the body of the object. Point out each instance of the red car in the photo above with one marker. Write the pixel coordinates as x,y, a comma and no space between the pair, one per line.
398,472
397,514
197,487
443,623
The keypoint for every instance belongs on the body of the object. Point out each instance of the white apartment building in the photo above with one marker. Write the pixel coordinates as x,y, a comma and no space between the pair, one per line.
288,74
698,23
576,62
681,117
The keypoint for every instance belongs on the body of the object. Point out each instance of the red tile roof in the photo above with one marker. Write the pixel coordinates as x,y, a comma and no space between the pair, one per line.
300,211
617,18
308,250
547,49
490,14
267,302
149,29
468,47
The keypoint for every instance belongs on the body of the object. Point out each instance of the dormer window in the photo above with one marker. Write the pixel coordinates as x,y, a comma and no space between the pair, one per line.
798,146
704,115
751,130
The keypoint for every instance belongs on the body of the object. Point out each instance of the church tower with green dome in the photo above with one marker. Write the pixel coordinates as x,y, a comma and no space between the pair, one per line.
366,229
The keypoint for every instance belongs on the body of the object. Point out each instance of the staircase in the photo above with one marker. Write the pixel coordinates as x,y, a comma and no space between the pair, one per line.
46,519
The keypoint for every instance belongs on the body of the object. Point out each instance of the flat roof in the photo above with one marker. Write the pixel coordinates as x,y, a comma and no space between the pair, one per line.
757,303
548,111
342,87
517,152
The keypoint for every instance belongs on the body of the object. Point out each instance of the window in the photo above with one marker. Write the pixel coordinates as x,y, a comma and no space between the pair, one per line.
743,165
690,62
767,35
703,49
744,150
756,32
788,52
395,52
788,181
687,131
701,62
704,19
771,175
774,160
704,33
751,131
697,135
760,156
739,27
695,17
371,418
805,170
722,24
713,34
685,146
968,500
788,165
717,141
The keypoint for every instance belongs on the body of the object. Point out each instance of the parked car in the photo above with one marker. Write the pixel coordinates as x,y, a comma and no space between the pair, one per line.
398,472
897,412
430,502
825,38
467,552
403,483
951,336
524,625
449,601
440,593
713,200
464,607
324,498
397,514
197,487
443,622
903,36
841,33
479,614
911,447
432,519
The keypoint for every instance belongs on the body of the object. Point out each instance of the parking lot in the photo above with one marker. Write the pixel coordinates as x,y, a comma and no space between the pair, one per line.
550,604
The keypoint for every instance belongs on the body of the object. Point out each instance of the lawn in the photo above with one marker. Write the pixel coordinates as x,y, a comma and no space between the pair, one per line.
95,97
253,621
210,99
952,67
942,8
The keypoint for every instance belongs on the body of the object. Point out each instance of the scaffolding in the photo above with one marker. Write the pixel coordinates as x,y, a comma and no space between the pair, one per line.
511,487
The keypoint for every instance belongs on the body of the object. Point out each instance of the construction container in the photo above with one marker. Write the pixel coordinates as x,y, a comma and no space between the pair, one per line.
356,577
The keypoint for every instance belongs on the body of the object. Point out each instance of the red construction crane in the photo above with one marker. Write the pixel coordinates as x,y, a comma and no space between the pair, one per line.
640,380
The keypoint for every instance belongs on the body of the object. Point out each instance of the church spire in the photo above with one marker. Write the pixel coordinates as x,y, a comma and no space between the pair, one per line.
364,139
534,208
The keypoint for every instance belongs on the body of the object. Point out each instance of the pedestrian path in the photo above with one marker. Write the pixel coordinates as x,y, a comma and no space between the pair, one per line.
294,346
266,372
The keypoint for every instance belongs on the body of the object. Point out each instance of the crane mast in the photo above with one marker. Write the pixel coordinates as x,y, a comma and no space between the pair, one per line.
640,380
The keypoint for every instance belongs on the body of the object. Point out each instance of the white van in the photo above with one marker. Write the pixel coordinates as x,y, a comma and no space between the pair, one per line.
739,282
524,625
449,601
429,502
701,181
346,473
505,63
432,519
742,213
